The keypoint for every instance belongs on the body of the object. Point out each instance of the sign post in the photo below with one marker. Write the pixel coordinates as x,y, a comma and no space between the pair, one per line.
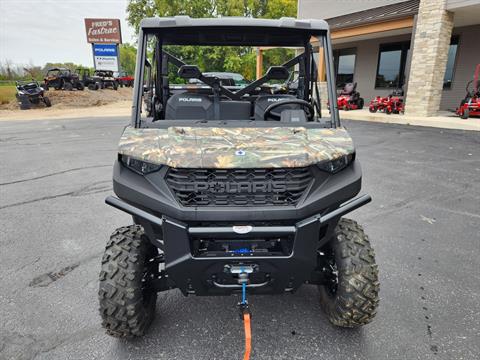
105,35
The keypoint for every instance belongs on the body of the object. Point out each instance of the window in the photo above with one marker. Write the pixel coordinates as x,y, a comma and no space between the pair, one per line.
391,65
344,62
452,54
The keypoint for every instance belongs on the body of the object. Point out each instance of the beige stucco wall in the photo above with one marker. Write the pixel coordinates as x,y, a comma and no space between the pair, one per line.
366,64
468,55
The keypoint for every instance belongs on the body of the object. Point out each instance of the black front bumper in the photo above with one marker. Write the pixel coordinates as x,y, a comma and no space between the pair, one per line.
206,275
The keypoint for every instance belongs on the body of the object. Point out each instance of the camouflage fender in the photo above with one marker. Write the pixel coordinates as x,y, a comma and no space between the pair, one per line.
213,147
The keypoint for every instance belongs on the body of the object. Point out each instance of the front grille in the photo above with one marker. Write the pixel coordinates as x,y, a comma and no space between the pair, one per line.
239,187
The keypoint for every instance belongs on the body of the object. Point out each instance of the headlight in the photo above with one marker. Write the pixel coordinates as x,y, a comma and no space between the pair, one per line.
138,166
334,166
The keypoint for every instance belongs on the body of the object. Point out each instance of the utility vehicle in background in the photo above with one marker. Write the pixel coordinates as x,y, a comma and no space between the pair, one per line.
226,79
90,81
30,93
235,191
123,79
107,80
62,79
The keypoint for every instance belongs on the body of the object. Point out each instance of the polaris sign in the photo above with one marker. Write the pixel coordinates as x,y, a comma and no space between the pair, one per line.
105,56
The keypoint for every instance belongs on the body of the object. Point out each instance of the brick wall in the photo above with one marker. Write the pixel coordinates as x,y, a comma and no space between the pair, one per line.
429,58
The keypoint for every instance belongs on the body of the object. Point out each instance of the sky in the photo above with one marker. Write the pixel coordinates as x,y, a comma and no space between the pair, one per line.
40,31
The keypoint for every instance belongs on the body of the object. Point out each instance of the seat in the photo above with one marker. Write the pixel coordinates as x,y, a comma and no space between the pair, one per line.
235,110
265,101
188,106
349,89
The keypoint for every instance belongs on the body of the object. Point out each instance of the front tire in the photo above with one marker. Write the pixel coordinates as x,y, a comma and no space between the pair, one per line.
352,299
465,115
47,101
127,301
361,103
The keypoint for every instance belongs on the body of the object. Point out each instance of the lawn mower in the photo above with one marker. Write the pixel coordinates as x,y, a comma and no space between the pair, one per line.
470,105
30,92
393,103
234,190
349,98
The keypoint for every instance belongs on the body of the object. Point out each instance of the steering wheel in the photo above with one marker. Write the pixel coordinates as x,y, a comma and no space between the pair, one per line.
307,107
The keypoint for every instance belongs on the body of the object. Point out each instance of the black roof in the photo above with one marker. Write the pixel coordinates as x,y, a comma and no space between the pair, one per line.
183,30
379,14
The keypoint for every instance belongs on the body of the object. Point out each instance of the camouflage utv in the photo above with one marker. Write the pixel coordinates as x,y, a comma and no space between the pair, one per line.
235,190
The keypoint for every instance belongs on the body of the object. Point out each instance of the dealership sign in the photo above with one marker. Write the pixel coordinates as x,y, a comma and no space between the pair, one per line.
103,31
105,56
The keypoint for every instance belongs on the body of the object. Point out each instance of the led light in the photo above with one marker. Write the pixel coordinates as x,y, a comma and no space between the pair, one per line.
334,166
139,166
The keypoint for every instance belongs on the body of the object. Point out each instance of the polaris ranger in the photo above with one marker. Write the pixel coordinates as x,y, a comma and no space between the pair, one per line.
235,190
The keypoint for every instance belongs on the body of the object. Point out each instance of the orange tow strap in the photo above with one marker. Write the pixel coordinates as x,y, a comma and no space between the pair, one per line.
248,335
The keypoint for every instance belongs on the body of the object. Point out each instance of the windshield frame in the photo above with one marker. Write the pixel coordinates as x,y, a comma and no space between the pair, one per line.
323,38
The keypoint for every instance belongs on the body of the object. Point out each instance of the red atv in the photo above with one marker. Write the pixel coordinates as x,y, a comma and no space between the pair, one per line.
123,79
470,106
349,98
393,103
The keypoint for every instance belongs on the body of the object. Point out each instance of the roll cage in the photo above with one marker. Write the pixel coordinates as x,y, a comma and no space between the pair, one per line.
182,30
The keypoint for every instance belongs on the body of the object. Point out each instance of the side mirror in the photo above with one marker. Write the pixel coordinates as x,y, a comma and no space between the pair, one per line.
277,73
189,72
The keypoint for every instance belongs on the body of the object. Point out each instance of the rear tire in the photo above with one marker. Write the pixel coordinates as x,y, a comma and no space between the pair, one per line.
59,84
127,302
80,86
115,85
68,86
353,299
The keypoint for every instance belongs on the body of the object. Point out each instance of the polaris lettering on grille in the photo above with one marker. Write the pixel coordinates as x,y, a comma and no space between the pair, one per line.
241,187
274,99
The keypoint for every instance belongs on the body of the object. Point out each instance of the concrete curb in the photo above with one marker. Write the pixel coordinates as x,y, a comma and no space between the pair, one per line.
444,121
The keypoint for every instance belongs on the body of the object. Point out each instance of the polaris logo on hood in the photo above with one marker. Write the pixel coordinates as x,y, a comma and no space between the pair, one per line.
274,99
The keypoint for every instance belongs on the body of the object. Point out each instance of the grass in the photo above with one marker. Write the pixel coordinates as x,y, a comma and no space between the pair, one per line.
7,93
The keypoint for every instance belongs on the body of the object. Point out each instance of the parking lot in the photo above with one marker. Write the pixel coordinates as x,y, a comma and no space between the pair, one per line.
424,223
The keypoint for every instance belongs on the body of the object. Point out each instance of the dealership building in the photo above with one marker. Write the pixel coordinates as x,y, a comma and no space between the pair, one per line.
427,47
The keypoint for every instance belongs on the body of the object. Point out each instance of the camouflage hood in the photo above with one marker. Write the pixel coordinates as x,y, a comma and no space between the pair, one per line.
213,147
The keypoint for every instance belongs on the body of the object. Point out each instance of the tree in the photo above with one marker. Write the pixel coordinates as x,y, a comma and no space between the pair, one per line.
235,59
128,54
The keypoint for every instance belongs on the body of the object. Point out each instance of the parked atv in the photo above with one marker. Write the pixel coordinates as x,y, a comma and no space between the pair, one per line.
30,92
470,105
107,79
89,81
123,79
349,98
235,191
62,79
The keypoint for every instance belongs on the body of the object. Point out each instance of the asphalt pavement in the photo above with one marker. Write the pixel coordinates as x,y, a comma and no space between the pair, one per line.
424,223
